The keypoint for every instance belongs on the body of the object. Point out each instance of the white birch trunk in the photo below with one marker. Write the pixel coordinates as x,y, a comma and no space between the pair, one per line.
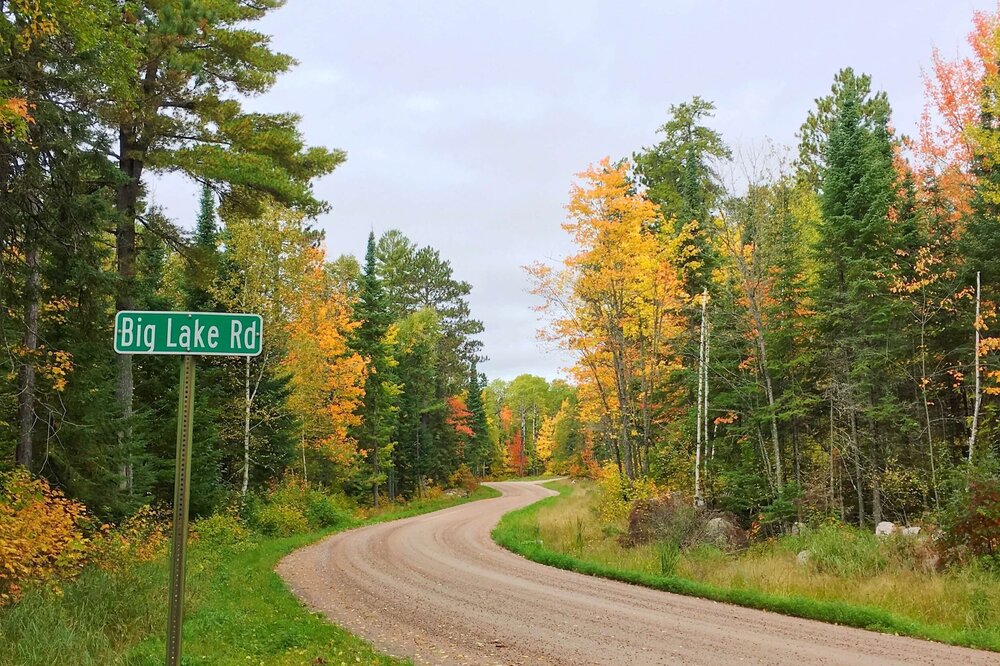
978,395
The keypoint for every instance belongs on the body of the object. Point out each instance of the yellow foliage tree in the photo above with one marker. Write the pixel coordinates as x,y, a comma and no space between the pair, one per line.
616,304
326,376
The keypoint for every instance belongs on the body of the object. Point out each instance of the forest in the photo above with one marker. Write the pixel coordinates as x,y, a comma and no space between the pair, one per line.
786,336
796,334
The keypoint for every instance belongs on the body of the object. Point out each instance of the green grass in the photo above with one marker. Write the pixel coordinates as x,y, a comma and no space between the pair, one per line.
563,531
238,611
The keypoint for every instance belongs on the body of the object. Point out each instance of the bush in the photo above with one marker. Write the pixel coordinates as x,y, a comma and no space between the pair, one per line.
318,509
41,534
221,529
323,511
281,520
139,538
971,525
464,479
670,518
618,493
842,550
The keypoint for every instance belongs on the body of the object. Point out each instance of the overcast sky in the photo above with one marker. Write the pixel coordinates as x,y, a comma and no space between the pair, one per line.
464,122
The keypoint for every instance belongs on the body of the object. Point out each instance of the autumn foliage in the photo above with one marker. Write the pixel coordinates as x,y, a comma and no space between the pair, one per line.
42,534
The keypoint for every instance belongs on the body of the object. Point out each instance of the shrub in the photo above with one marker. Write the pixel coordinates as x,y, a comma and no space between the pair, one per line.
971,525
317,508
324,511
617,493
463,478
139,538
281,520
41,534
221,529
842,550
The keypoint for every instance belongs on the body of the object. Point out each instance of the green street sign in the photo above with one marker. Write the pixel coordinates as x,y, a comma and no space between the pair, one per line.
188,333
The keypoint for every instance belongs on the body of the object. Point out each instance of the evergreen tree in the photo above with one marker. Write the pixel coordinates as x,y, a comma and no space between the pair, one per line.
855,313
203,263
417,345
480,453
378,410
680,176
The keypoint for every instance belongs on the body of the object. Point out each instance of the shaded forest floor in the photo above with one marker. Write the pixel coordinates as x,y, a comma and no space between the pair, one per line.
238,610
851,579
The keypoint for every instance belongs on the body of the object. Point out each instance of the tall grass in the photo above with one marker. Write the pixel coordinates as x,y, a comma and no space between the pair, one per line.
238,610
851,579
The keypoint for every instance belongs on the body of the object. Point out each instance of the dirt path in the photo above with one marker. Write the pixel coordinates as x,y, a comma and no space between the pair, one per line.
436,589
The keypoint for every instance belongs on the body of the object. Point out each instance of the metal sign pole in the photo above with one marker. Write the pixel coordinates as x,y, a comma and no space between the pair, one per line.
182,496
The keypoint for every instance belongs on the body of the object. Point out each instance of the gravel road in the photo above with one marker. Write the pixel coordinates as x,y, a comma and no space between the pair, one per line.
436,589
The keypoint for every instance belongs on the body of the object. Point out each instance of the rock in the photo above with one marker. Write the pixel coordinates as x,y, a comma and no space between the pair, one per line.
802,559
667,517
798,528
910,531
885,528
724,534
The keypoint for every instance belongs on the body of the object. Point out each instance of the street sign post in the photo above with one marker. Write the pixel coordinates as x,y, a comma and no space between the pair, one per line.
189,334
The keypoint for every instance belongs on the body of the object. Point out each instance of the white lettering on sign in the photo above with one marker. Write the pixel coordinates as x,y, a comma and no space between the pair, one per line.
188,333
128,334
234,335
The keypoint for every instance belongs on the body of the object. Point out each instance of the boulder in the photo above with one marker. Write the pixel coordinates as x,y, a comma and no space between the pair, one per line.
885,528
669,517
798,528
724,534
910,531
802,559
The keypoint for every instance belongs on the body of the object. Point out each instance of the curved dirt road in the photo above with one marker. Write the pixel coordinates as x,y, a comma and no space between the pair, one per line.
436,589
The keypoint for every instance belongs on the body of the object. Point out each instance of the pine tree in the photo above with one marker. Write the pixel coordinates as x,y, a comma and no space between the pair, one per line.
371,341
203,263
855,312
480,450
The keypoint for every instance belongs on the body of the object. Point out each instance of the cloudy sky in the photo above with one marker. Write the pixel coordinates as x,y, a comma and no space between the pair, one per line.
464,122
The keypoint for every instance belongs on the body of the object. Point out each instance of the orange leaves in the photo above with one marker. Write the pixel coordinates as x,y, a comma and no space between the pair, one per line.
41,534
459,418
953,91
15,116
327,377
728,419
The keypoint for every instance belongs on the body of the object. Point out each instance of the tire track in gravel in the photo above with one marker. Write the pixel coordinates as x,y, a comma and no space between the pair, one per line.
436,589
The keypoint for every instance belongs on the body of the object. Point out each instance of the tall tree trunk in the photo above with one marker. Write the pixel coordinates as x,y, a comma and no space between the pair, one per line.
927,411
979,395
768,386
856,447
833,461
26,376
876,463
701,397
126,201
704,417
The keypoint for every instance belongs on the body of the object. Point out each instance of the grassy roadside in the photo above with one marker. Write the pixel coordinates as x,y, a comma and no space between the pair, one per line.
530,532
238,611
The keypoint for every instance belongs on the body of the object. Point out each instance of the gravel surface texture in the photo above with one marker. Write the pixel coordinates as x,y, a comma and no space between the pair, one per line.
436,589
